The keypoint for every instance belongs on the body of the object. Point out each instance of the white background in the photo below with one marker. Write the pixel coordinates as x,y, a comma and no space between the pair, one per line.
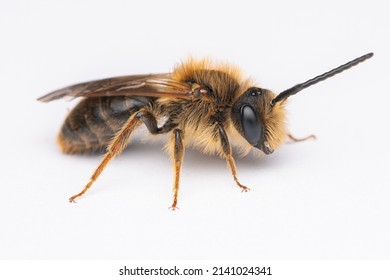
323,199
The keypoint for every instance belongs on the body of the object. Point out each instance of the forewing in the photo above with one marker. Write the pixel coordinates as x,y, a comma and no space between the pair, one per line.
153,85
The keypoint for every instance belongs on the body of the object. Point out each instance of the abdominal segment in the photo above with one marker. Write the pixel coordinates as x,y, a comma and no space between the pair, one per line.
92,124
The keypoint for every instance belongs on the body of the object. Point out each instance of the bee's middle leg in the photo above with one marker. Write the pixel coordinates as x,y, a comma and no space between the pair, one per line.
178,155
150,122
177,147
227,151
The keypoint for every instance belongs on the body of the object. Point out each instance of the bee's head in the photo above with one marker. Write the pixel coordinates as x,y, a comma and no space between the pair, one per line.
259,114
262,125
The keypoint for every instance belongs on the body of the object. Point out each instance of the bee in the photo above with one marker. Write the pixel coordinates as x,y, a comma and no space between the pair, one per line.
200,104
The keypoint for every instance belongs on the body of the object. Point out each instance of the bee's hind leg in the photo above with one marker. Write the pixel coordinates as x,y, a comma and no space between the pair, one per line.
227,152
295,139
121,139
115,147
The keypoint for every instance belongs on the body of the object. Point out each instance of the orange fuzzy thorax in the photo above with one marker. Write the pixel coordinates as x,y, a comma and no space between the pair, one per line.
202,138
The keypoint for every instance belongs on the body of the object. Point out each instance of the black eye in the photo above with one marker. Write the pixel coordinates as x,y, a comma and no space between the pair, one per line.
251,125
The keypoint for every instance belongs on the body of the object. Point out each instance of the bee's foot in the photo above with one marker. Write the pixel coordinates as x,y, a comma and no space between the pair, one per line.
244,188
174,207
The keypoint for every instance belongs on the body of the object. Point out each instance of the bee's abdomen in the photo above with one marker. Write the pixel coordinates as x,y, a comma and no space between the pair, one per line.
94,122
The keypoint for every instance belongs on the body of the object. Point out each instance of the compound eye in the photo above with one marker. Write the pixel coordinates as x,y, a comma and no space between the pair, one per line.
251,125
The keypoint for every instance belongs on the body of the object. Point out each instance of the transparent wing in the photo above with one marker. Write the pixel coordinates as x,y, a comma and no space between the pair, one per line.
153,85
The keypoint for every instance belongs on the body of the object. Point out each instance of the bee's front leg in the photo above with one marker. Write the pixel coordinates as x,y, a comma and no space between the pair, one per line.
227,152
295,139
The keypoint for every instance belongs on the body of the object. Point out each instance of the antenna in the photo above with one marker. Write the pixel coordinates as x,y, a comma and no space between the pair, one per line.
297,88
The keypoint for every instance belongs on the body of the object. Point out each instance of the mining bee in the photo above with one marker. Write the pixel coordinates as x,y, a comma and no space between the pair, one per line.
203,105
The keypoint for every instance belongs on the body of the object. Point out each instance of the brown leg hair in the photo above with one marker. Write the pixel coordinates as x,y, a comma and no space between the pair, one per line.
227,151
178,155
115,147
295,139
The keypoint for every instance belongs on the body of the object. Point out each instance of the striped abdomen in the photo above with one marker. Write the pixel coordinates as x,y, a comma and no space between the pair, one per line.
94,121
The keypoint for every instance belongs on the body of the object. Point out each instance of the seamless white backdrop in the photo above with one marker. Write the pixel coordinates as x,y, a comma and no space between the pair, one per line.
323,199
